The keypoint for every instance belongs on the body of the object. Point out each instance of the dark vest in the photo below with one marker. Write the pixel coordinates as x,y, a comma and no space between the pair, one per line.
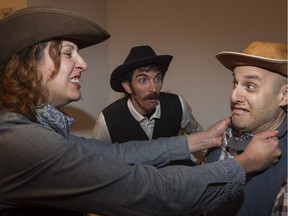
123,127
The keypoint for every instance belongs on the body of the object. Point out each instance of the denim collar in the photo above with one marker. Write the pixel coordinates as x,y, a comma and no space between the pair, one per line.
54,119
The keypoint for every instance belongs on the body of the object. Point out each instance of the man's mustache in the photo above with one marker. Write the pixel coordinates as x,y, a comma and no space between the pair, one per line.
152,96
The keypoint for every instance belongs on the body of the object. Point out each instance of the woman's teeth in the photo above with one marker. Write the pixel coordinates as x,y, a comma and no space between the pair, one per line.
74,80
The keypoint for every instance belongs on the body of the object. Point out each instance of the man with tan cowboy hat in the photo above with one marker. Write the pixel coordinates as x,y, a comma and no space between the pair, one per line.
145,112
258,103
47,171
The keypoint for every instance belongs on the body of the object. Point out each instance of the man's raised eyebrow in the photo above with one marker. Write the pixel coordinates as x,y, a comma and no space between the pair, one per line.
139,74
144,74
253,77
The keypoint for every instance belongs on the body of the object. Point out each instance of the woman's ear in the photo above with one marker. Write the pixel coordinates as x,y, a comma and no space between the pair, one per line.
284,95
127,87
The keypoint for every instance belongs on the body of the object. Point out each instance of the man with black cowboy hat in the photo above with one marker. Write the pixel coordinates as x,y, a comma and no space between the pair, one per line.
258,103
145,112
45,170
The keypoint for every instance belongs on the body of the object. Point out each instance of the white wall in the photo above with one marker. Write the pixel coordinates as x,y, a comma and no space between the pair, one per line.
193,32
190,30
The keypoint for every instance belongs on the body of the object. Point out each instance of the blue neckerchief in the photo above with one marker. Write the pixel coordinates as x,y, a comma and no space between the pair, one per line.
53,118
239,144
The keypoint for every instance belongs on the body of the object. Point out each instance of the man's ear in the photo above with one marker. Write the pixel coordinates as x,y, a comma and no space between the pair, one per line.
284,95
126,86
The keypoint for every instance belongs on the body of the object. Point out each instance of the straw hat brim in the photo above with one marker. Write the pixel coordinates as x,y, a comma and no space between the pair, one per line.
230,60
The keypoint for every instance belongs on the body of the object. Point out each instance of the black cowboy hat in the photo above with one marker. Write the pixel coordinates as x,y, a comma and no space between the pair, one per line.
138,56
32,25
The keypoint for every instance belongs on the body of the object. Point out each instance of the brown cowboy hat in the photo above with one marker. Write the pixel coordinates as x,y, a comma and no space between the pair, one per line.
267,55
32,25
138,56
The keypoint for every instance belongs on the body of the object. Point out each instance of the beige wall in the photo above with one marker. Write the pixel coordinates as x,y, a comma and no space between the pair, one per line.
192,31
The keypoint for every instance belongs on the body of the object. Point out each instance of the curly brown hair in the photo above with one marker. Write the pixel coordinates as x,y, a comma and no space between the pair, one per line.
21,88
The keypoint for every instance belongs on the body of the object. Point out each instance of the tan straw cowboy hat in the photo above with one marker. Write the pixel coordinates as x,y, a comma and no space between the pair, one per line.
266,55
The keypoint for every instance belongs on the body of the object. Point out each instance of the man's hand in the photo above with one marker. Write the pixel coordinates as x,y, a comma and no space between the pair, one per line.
261,152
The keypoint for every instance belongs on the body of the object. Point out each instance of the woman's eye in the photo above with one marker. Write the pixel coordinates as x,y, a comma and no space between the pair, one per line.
68,54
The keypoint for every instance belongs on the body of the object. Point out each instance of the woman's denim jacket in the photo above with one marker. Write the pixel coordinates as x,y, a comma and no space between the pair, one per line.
42,165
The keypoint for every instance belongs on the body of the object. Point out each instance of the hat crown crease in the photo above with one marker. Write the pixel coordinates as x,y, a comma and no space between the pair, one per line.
267,50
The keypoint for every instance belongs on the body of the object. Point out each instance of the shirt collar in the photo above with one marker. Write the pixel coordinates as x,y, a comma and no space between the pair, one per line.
138,116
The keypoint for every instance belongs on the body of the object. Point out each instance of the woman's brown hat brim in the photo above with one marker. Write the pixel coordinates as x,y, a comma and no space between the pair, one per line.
32,25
